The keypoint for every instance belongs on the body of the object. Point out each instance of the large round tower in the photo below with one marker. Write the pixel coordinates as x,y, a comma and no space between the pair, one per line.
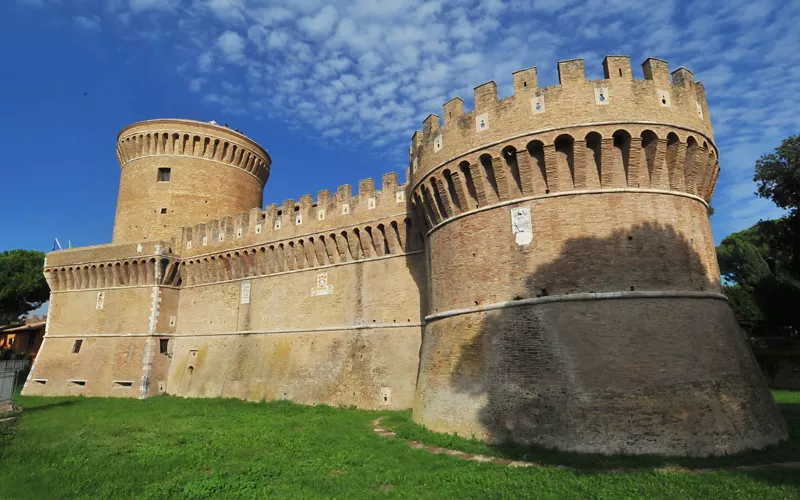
574,292
178,172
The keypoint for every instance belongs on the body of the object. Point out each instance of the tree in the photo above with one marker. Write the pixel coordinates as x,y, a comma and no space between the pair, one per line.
759,283
22,284
777,176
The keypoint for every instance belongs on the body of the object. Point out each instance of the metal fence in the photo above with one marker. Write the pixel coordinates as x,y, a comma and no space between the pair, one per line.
8,383
15,365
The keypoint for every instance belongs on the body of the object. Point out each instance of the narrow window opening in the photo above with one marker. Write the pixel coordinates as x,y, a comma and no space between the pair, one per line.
163,346
163,210
76,347
620,71
40,381
80,383
525,85
164,174
123,383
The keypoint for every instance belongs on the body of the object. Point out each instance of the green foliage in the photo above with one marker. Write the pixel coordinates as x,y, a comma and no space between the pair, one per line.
745,307
22,284
761,285
741,262
778,175
169,447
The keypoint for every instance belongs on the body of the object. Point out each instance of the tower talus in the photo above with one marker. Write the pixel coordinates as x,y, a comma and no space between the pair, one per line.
575,298
176,172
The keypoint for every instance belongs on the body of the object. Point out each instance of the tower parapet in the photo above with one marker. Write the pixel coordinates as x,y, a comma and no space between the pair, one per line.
175,172
660,101
572,276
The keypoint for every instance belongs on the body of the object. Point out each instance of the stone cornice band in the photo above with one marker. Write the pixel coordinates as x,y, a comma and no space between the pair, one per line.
575,297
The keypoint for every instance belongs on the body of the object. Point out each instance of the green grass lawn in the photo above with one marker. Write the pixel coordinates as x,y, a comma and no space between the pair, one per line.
211,448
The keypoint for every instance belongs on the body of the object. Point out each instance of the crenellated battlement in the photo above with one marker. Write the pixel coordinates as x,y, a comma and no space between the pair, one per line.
188,138
660,98
292,217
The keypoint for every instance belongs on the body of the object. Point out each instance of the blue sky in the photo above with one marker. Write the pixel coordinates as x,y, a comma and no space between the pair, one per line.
334,90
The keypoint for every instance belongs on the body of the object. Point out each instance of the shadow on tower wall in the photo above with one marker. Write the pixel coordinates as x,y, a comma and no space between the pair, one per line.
666,376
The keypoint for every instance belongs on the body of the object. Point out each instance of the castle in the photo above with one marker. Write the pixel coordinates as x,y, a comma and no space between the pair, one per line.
547,275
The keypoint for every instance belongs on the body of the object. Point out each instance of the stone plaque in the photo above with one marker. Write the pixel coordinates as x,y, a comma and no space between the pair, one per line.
521,225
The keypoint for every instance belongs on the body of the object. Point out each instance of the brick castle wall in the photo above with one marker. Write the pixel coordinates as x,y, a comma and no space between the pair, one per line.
548,271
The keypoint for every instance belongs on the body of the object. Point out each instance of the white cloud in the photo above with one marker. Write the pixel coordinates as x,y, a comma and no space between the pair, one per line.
321,24
196,84
232,45
204,61
88,23
227,10
277,40
271,15
142,5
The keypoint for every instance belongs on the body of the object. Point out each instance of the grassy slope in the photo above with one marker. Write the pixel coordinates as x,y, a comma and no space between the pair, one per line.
191,448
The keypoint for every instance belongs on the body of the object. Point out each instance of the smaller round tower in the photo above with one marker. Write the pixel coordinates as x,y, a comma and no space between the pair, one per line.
178,172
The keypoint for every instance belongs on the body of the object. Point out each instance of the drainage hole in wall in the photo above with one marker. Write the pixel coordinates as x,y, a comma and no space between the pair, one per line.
630,238
543,293
633,288
476,302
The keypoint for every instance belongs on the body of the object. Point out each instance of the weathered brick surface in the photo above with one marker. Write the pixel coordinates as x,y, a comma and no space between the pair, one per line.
667,376
581,243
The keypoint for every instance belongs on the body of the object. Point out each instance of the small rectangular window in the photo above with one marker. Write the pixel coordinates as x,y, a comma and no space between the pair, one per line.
80,383
164,174
163,346
122,383
76,347
163,210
